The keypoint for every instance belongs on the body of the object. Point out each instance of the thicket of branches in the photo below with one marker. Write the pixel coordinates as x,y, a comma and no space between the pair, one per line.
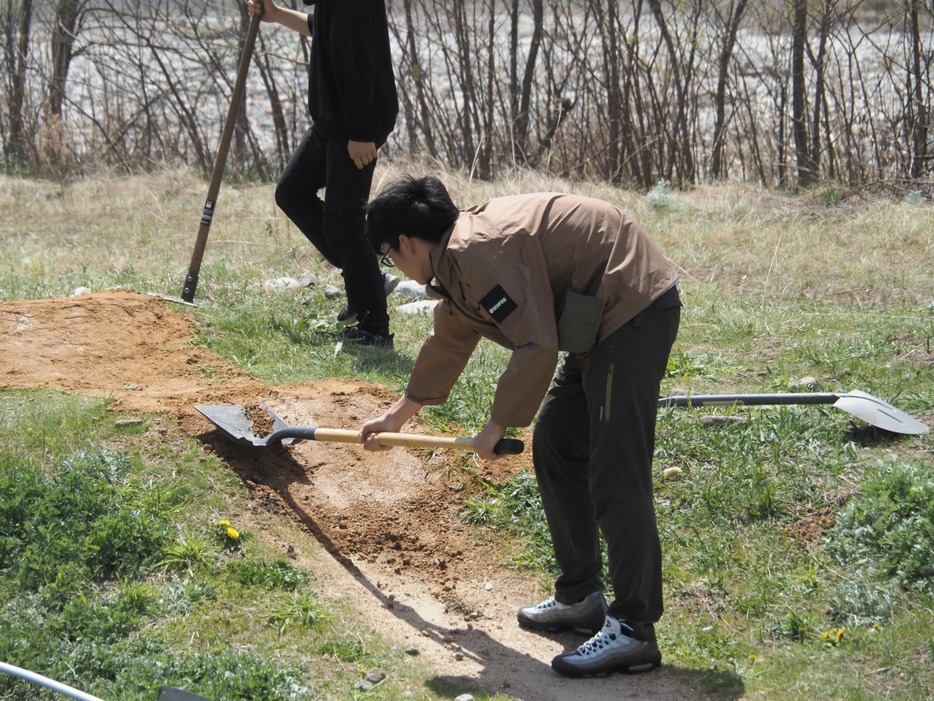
785,92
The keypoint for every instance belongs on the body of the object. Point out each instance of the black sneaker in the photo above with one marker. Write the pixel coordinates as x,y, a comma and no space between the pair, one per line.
586,616
348,316
611,650
361,338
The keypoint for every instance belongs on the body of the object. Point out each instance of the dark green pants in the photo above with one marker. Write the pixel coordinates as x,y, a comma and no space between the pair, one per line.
592,451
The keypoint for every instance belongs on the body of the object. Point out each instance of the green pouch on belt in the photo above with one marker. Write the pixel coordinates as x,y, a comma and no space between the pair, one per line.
578,322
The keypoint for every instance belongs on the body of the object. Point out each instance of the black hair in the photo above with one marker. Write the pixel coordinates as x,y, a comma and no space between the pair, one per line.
420,208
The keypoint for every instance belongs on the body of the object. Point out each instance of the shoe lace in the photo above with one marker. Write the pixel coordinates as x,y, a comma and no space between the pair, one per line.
606,637
548,603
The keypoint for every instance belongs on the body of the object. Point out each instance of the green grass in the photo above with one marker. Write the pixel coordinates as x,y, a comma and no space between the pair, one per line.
797,542
116,577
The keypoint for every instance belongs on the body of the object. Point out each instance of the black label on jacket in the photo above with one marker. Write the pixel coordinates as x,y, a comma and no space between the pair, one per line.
498,303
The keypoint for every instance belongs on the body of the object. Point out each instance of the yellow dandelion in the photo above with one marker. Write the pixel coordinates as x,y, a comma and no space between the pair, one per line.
224,522
232,533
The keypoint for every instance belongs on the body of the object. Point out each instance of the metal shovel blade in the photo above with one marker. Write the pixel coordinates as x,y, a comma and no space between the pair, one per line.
232,421
874,411
870,409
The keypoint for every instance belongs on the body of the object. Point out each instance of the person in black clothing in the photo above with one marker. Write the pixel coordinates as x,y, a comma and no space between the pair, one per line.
353,104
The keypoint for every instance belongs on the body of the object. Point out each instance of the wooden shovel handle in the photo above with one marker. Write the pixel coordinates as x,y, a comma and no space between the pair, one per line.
506,446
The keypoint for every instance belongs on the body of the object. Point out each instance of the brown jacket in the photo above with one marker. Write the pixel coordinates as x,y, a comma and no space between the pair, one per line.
502,272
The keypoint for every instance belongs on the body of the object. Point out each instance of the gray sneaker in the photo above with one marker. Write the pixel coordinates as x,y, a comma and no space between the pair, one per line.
610,650
586,616
390,282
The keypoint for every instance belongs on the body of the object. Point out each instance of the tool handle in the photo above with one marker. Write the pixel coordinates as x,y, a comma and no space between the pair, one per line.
220,163
793,398
506,446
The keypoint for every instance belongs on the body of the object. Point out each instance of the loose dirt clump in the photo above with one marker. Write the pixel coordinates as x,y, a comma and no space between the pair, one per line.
261,421
393,541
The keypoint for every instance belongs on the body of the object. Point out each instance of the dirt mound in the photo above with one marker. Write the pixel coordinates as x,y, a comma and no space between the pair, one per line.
390,522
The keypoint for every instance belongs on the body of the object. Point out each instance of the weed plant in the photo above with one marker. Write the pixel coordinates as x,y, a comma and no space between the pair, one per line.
114,579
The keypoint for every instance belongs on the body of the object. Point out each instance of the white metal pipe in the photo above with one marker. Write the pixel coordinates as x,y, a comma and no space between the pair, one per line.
46,682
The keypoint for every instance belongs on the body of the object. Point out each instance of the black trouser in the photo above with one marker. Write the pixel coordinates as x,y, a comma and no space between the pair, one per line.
337,225
592,451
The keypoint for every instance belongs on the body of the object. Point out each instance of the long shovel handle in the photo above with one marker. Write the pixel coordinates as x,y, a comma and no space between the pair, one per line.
220,163
786,399
506,446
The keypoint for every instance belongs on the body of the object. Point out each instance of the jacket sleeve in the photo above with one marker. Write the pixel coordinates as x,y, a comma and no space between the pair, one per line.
442,358
516,272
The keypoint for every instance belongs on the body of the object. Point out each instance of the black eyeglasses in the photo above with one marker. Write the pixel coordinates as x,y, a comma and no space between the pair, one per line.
386,261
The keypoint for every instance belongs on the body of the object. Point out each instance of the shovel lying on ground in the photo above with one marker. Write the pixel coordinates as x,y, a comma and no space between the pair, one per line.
864,406
233,422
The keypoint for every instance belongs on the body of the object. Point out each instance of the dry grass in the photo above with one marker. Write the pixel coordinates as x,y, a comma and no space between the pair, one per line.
744,240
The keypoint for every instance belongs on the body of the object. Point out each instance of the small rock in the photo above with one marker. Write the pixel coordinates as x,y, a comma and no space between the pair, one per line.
673,474
363,685
81,291
808,382
419,307
123,423
711,421
280,284
464,697
410,290
308,280
331,292
412,650
488,586
375,676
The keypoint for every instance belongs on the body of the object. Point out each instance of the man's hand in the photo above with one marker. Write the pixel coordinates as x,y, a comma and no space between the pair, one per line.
362,153
269,11
486,440
390,422
369,434
265,8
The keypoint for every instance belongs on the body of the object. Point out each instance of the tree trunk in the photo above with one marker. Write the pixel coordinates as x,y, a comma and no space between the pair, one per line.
723,71
521,129
64,34
16,153
917,118
681,147
820,61
806,168
614,96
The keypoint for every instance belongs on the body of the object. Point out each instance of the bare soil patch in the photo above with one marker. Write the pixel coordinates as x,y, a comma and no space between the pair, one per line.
393,543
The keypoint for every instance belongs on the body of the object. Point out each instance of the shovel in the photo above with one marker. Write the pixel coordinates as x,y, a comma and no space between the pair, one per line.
232,421
220,162
870,409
